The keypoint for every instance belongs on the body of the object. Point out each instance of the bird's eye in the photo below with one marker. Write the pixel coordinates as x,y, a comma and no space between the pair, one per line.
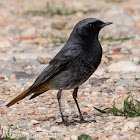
91,25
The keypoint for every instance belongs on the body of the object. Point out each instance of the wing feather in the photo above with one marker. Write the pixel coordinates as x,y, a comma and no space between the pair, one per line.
60,62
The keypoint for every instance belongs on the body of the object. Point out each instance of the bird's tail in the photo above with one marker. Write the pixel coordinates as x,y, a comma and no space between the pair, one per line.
19,97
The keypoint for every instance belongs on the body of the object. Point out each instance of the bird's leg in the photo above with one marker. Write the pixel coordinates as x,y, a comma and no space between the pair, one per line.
58,98
75,96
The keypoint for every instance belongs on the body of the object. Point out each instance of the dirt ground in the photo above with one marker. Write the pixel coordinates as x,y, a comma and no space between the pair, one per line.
32,32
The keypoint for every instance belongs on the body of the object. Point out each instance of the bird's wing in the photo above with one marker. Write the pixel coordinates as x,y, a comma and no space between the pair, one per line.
59,63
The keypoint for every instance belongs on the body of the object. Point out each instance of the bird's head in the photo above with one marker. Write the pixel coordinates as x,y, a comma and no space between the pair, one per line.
89,27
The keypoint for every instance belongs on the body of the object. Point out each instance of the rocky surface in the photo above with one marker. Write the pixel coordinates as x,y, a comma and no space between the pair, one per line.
27,44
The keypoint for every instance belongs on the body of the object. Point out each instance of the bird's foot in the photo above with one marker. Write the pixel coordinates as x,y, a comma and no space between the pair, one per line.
86,121
82,120
62,122
65,123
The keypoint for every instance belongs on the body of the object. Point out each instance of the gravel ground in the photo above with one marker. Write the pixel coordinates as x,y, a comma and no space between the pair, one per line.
27,43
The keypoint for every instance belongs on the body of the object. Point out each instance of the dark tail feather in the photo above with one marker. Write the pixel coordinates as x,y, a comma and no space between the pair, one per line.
19,97
37,94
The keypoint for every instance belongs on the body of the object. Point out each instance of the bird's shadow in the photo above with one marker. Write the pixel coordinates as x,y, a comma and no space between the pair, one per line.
72,121
75,122
69,122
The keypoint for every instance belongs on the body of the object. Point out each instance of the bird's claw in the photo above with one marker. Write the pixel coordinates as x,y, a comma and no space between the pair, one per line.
86,121
65,123
82,120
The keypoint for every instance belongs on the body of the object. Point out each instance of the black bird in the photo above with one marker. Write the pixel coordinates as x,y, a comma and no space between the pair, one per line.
73,65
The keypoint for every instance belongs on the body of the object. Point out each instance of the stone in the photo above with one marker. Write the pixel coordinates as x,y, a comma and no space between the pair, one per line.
28,32
31,62
130,126
34,122
39,129
40,60
73,137
23,75
123,66
1,90
135,59
97,81
120,89
2,102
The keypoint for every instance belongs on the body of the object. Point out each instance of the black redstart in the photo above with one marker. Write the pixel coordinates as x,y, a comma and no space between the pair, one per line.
73,65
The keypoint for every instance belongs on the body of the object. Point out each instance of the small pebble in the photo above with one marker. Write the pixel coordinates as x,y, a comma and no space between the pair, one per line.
39,129
34,122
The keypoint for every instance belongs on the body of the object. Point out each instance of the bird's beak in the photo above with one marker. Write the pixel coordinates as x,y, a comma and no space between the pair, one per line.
105,24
